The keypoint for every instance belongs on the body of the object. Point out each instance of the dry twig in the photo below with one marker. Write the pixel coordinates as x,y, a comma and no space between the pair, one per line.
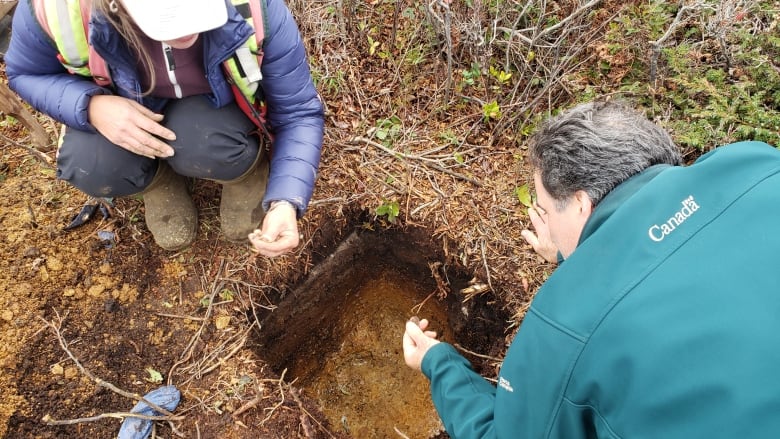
56,326
43,158
679,19
429,162
308,431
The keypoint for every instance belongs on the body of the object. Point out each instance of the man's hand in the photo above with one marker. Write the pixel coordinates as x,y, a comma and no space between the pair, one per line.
279,234
541,240
132,126
417,341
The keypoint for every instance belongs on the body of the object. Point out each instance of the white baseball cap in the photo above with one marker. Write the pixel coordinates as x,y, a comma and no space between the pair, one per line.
165,20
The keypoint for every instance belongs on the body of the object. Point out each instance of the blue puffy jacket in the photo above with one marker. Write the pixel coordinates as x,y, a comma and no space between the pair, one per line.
295,112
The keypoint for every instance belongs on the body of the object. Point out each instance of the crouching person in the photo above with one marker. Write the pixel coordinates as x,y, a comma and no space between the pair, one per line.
155,91
661,321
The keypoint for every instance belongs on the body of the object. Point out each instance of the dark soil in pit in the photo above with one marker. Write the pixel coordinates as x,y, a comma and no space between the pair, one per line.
338,335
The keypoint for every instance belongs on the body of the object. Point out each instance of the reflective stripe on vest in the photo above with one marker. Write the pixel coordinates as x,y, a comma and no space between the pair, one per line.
244,67
67,25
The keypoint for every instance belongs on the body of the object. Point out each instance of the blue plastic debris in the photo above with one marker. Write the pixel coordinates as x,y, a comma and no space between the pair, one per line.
107,237
88,211
166,397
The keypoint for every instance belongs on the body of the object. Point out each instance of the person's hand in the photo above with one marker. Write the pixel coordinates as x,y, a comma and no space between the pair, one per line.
417,341
541,240
132,126
279,234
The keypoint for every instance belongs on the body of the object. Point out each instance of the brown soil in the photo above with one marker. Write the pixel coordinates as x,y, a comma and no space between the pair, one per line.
131,308
122,312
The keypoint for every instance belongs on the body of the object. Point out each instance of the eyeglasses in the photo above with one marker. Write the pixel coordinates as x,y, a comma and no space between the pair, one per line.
539,209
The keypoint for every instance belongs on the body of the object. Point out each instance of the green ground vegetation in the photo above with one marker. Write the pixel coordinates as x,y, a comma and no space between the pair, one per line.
710,72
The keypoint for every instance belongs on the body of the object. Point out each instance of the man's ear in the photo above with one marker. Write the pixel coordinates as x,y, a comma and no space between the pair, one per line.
584,203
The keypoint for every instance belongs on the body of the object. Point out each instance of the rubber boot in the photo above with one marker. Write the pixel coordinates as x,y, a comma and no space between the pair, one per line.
171,215
240,208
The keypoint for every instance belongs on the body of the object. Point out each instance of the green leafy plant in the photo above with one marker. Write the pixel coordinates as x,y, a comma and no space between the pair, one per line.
471,75
389,209
331,83
491,110
415,55
501,76
372,45
717,83
153,375
449,136
8,121
523,194
387,129
226,295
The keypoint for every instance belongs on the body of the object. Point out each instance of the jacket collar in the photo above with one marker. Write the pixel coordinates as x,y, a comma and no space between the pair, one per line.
613,200
223,40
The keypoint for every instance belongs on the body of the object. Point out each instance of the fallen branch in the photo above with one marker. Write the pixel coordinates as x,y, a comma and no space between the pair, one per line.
400,433
177,316
308,431
43,158
10,104
187,354
117,415
580,11
427,161
279,404
486,357
212,360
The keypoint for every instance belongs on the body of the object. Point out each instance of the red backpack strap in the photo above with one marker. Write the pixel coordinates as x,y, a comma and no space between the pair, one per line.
258,17
99,68
243,69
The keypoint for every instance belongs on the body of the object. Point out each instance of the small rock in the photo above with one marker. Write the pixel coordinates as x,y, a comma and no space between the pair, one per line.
222,322
44,274
71,372
96,290
57,369
32,252
111,305
7,315
53,264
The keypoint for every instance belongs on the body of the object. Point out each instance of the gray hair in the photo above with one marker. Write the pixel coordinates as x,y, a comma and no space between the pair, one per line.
596,146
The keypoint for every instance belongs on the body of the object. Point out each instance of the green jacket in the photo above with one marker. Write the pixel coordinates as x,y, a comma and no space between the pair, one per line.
663,323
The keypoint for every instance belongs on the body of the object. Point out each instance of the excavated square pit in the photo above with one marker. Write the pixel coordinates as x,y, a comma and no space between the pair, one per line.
338,334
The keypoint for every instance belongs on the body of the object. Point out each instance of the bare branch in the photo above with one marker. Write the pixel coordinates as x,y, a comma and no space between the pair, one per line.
430,162
56,326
